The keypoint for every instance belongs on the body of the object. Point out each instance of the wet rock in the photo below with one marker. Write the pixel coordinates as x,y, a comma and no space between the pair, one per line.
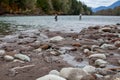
10,38
116,76
73,73
45,46
2,52
117,43
8,58
94,47
101,56
108,46
50,77
22,57
56,39
26,40
76,44
100,63
55,53
105,29
89,69
54,72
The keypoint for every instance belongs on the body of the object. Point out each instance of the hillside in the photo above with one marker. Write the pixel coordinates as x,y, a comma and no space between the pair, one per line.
42,7
116,4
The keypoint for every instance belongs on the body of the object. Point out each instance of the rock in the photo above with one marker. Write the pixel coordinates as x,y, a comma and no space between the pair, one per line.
105,29
117,43
56,39
86,51
45,46
108,46
50,77
73,73
22,57
2,52
101,56
8,58
54,72
38,50
76,44
101,71
55,53
66,48
100,62
36,44
116,76
118,61
10,38
99,77
89,69
26,40
94,47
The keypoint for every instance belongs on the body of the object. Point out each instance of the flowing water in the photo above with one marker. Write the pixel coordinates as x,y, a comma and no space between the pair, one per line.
64,23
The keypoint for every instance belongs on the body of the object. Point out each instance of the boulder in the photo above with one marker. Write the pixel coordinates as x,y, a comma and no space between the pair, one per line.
73,73
2,52
100,62
50,77
54,72
56,39
108,46
8,58
89,69
117,43
101,56
105,29
22,57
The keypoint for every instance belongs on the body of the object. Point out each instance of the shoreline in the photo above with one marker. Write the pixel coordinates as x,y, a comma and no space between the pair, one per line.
43,50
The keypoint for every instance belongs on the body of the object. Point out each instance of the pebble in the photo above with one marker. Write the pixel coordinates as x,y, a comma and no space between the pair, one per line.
100,63
56,39
22,57
101,56
8,58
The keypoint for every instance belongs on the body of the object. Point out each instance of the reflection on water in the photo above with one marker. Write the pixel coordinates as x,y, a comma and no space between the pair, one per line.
5,28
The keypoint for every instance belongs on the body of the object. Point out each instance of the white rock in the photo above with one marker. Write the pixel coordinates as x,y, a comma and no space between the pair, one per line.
8,58
22,57
117,43
50,77
56,38
86,51
94,47
2,52
73,73
108,46
54,72
100,62
89,69
101,56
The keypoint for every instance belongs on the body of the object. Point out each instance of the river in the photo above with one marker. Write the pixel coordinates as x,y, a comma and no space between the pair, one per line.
64,23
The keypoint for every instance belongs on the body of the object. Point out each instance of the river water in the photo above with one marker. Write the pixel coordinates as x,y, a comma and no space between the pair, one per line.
64,23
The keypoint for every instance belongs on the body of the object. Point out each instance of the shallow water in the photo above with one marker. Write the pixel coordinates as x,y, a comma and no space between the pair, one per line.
64,23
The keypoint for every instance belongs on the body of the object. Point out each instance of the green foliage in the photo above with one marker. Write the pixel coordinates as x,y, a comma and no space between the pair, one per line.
72,7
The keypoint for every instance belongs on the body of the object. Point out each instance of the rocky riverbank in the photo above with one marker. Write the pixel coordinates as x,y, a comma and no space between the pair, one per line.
91,54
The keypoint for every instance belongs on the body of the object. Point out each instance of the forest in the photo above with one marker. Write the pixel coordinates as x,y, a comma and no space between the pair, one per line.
43,7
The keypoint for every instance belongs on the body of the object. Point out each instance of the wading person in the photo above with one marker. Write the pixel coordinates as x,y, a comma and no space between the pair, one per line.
56,17
80,16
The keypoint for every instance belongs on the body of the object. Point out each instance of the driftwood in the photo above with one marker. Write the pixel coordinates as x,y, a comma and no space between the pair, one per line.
13,71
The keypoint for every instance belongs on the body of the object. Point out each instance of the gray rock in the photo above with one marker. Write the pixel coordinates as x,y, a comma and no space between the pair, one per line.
2,52
116,76
89,69
22,57
56,39
10,38
101,56
108,46
8,58
54,72
100,62
73,73
50,77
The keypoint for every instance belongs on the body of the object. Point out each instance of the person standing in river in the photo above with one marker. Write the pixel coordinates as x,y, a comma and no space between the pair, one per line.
80,16
56,17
